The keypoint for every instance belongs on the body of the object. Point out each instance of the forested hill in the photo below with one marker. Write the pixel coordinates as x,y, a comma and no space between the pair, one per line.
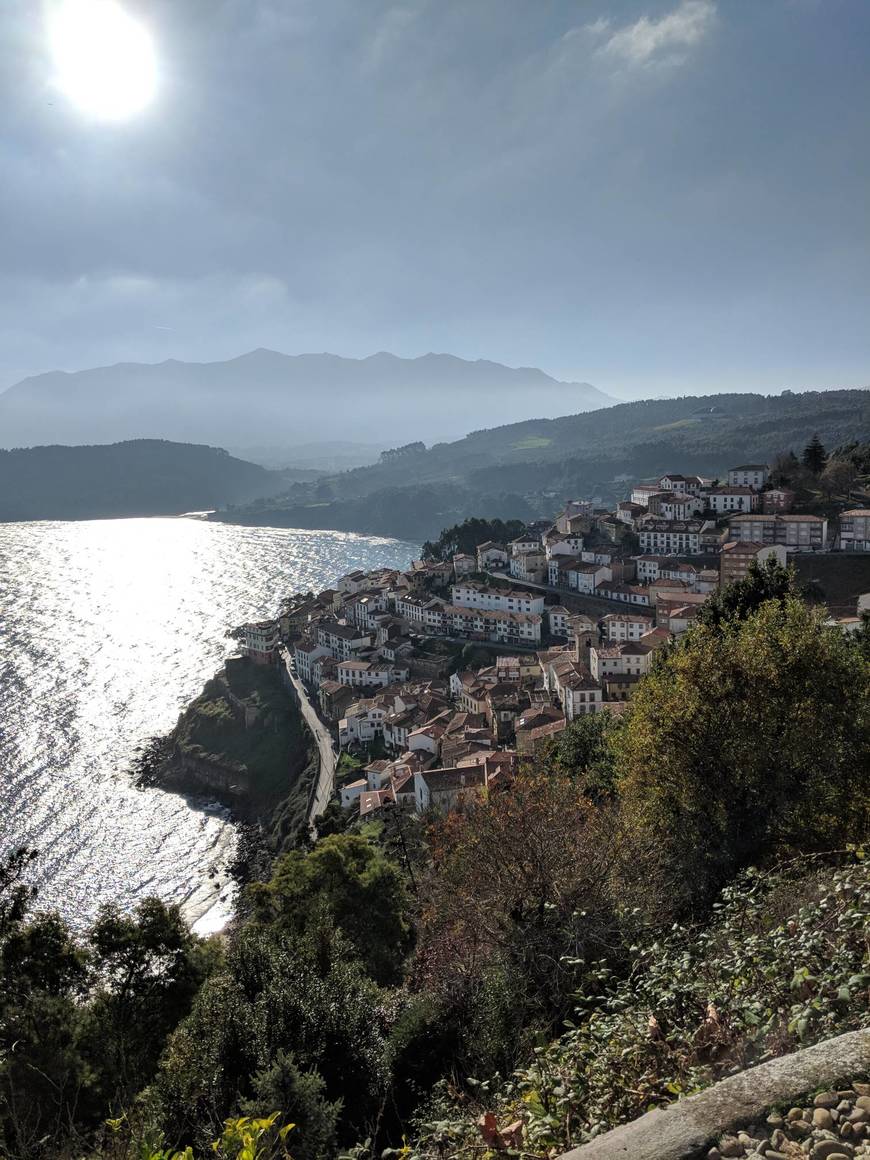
142,477
510,470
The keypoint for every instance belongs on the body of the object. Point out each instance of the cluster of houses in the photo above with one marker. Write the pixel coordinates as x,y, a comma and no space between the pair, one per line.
370,650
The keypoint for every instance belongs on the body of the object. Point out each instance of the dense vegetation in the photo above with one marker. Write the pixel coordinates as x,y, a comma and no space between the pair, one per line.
466,537
658,897
145,477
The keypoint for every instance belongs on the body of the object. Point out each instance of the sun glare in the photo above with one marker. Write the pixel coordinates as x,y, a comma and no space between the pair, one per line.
104,59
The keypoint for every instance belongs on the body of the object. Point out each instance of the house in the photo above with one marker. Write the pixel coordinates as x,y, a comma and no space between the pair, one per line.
494,625
335,699
777,499
672,482
585,578
799,533
350,794
629,658
556,544
627,512
854,530
622,626
362,674
675,505
362,723
671,537
352,582
642,493
444,789
463,564
525,543
752,475
624,593
305,654
737,555
733,498
491,557
675,618
571,516
468,595
557,620
570,682
342,641
260,641
530,566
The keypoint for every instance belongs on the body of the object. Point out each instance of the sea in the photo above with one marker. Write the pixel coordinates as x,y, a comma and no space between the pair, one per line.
107,630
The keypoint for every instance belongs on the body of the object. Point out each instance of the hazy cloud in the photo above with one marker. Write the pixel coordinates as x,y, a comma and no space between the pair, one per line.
420,175
665,40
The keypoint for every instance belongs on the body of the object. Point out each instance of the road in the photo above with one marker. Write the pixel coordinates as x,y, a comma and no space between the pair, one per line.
326,779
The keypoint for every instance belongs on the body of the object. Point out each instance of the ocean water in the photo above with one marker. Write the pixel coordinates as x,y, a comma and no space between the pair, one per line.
107,630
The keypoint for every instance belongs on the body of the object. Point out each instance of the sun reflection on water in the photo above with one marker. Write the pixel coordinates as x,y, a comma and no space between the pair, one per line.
107,630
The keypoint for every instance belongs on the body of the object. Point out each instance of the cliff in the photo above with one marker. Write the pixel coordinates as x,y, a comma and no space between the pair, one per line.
242,742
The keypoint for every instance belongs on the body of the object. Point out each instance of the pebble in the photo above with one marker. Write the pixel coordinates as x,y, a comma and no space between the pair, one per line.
827,1099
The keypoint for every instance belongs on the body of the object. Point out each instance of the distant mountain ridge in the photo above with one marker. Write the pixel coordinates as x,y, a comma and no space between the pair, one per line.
267,398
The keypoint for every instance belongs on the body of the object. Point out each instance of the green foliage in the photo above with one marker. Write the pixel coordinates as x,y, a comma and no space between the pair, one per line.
752,736
300,1095
466,536
767,581
347,883
305,997
814,456
584,752
82,1024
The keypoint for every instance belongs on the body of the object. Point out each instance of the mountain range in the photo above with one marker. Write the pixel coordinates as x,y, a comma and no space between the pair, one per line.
279,401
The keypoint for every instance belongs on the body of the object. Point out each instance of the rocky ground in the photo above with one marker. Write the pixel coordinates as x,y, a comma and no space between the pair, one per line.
833,1125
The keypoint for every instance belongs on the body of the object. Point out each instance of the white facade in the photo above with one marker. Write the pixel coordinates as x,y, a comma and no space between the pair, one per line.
752,475
732,499
624,626
495,599
855,531
670,539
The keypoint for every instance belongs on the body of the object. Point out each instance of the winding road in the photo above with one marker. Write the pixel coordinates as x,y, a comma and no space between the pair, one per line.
326,778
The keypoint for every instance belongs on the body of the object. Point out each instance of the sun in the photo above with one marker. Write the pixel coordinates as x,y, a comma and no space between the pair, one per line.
104,59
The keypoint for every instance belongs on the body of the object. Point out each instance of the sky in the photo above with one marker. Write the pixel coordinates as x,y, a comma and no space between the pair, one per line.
655,196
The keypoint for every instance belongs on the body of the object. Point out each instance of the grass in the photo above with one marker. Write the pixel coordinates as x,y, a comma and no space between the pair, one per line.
531,443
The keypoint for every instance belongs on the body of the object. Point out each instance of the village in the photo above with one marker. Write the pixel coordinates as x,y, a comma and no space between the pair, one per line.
437,681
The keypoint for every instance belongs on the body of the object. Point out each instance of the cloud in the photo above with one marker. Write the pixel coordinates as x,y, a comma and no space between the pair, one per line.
662,41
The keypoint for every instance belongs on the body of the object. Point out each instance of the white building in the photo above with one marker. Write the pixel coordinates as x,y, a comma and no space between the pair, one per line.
496,599
752,475
629,659
671,538
733,498
624,626
854,530
369,674
491,557
260,641
585,578
799,533
494,625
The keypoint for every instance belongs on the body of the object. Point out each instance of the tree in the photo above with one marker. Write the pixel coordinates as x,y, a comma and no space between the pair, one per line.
767,581
583,752
753,736
814,455
147,969
838,477
519,892
348,883
300,1096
